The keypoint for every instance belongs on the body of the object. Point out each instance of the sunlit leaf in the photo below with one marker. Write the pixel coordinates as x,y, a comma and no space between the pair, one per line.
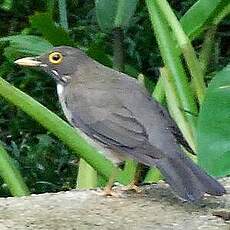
200,16
25,44
214,126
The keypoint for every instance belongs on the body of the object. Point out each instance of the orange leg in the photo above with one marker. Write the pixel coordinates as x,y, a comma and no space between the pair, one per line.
133,184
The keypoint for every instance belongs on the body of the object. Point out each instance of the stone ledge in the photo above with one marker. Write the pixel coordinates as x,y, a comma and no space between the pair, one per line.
156,208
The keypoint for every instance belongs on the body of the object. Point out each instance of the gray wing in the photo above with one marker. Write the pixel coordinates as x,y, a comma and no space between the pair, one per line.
120,131
124,119
113,125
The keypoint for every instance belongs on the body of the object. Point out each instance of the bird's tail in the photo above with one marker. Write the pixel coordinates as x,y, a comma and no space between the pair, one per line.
187,180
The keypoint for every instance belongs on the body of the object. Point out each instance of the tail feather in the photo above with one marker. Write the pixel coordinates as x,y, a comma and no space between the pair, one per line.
188,180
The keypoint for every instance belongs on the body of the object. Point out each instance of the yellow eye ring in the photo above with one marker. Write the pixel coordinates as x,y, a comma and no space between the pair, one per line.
55,58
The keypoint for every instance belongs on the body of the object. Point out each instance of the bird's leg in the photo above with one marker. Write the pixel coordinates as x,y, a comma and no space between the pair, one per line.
108,188
132,186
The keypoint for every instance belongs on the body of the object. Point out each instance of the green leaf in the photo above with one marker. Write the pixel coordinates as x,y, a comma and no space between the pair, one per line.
214,126
201,15
11,175
25,44
87,176
153,176
53,33
114,14
6,5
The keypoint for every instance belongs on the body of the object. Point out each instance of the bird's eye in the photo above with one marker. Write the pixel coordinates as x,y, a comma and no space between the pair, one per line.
55,58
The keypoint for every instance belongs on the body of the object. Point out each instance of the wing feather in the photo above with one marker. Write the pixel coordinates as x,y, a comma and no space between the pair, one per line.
115,128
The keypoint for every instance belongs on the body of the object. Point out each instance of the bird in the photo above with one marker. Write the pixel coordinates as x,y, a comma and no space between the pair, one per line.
118,113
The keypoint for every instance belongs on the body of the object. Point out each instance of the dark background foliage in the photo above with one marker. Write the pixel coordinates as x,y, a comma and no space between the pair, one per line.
45,163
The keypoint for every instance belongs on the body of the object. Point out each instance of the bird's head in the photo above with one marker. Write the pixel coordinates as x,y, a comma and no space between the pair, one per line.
61,62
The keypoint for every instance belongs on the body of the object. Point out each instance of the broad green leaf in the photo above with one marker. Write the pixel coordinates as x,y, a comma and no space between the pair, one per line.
214,126
201,15
114,14
25,44
53,33
6,5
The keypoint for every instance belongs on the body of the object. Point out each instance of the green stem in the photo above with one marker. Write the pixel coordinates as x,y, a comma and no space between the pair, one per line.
174,108
186,48
50,7
159,92
118,51
129,171
153,176
171,58
207,48
72,137
11,175
63,14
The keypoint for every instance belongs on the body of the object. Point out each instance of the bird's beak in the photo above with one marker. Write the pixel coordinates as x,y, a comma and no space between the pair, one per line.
28,61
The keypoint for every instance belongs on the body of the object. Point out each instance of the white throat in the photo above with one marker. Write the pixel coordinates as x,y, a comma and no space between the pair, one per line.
60,89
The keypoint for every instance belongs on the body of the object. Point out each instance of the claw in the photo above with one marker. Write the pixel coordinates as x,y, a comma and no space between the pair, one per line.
108,192
132,187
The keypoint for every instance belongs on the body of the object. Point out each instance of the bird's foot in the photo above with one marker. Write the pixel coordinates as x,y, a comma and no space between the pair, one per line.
132,187
109,192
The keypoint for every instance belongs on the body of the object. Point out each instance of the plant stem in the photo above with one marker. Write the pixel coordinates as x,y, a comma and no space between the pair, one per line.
118,51
129,171
153,176
11,175
207,48
50,7
63,14
174,108
171,58
186,48
159,92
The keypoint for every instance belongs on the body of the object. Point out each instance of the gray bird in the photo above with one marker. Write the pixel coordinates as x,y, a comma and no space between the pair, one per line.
115,111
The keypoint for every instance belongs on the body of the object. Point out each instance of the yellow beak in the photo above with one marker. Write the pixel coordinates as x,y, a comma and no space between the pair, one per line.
28,61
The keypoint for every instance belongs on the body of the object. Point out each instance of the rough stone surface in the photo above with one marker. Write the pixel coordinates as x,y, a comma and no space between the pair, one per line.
155,208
